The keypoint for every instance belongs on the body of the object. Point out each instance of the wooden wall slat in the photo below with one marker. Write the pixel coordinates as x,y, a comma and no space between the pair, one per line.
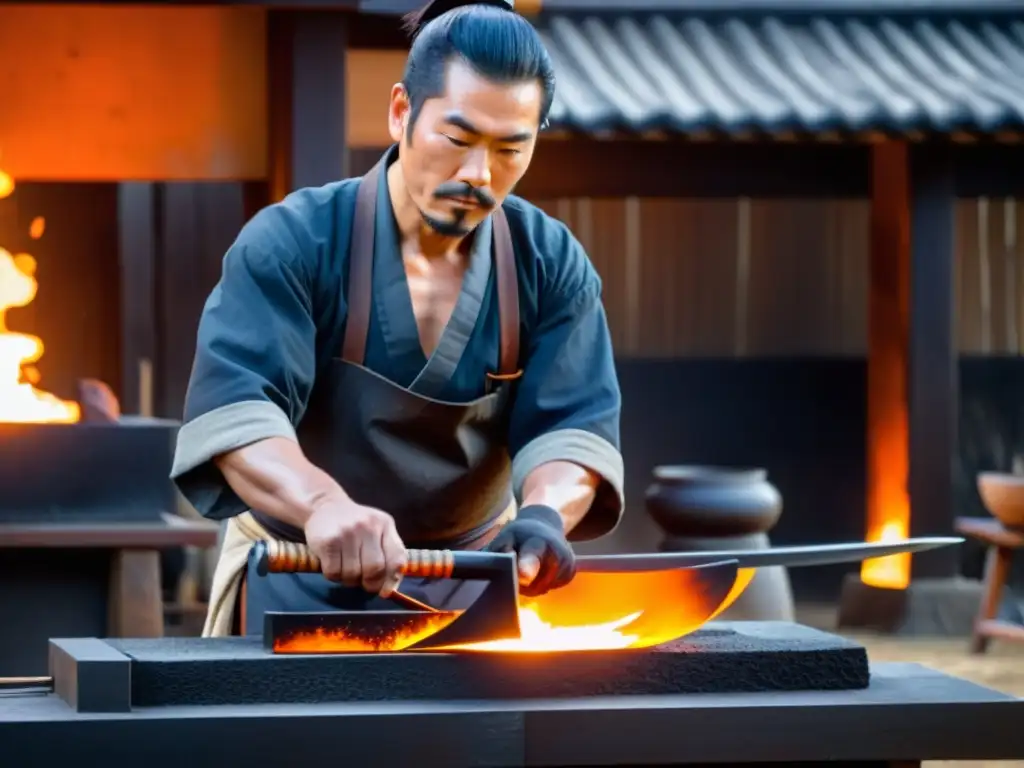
200,221
1017,254
807,288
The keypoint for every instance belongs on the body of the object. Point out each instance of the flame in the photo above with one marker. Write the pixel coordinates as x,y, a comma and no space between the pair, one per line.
893,571
888,502
20,401
539,636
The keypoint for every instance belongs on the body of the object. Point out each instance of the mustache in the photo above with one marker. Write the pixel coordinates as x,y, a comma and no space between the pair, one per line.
452,189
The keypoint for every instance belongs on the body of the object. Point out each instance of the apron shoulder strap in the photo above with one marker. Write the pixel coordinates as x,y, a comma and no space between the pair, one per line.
508,297
360,269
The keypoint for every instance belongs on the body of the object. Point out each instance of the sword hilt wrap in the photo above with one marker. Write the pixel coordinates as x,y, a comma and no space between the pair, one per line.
274,556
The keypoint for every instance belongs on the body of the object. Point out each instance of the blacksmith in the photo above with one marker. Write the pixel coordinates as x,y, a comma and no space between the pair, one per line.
414,358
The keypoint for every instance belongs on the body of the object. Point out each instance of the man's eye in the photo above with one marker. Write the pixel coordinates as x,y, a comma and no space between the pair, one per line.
456,142
509,151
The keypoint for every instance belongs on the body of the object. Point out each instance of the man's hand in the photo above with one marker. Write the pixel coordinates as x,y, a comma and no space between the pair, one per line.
545,557
357,545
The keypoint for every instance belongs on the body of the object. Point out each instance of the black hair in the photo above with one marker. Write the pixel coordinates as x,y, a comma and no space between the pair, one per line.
488,35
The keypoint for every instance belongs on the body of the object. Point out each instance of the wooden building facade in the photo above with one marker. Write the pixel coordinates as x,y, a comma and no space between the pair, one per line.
759,193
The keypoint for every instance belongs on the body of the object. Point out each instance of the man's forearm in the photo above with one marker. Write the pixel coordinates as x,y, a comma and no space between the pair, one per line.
568,488
275,477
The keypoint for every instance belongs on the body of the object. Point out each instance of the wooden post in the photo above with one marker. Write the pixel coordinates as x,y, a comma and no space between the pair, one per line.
136,211
934,379
306,101
912,359
912,389
888,446
136,599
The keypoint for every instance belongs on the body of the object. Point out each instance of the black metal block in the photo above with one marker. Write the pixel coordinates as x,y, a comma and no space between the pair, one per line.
77,473
90,675
742,657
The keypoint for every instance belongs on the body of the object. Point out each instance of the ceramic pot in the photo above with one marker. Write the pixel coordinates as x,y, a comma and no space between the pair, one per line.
1003,496
698,501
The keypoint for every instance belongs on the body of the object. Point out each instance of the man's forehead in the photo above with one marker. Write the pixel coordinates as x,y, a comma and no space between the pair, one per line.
487,106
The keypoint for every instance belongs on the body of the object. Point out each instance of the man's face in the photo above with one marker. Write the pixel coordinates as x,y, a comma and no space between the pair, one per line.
468,148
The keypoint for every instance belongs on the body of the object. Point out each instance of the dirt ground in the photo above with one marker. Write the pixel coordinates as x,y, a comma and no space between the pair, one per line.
1001,668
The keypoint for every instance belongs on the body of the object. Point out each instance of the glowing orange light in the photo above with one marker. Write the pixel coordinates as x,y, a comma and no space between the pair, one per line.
20,401
892,572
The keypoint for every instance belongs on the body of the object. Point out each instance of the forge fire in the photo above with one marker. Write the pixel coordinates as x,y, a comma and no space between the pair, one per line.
20,400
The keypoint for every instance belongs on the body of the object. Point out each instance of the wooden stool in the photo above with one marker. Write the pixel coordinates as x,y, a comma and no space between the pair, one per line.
1001,544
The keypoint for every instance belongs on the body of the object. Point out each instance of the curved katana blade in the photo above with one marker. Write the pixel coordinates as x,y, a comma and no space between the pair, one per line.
790,557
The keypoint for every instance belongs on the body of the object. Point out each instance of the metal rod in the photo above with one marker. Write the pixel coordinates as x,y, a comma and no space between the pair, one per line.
14,686
411,602
10,682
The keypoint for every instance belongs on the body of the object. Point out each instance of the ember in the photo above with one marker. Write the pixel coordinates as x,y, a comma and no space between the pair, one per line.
376,633
20,401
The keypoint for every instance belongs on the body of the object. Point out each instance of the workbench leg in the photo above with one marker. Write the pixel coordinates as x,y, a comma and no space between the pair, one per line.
135,597
997,571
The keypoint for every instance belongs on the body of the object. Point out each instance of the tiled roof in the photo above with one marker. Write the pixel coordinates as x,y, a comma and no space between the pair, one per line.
687,73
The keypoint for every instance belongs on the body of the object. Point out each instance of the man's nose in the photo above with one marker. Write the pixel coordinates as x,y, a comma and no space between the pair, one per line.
476,168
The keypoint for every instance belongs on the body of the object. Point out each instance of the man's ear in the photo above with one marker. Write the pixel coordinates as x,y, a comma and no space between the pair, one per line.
399,112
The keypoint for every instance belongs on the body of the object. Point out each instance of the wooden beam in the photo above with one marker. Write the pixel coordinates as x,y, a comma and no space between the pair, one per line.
570,166
933,380
990,169
580,167
307,53
137,240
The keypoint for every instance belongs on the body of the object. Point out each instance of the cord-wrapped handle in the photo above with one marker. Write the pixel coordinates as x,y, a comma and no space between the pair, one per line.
274,556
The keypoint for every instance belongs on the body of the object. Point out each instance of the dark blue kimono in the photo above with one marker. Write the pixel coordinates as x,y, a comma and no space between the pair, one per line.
277,318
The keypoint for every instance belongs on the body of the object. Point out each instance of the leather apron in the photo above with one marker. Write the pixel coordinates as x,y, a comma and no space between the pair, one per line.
441,469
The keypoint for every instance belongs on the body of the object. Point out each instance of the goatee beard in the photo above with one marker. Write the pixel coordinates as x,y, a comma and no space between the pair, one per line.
450,228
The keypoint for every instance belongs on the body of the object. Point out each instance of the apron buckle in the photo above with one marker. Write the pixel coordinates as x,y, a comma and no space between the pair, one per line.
495,380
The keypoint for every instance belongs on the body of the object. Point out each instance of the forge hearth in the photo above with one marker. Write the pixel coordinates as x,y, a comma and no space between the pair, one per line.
726,658
86,472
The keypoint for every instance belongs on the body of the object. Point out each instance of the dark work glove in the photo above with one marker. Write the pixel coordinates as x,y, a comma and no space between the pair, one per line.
546,560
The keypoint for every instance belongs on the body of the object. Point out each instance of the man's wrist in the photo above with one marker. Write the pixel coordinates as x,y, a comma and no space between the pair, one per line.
326,495
543,513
